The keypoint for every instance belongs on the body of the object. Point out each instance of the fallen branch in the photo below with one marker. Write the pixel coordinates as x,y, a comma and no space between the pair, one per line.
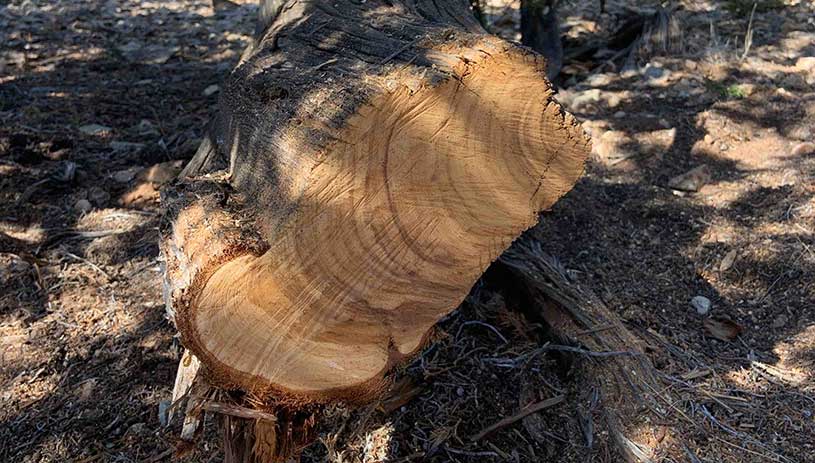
238,411
526,411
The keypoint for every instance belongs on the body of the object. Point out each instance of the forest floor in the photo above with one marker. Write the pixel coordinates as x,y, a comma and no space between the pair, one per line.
101,102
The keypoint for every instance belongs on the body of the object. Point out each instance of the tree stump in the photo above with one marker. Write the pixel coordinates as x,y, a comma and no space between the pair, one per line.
367,163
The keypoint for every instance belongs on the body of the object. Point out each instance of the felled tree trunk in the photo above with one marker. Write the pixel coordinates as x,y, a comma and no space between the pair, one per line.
368,162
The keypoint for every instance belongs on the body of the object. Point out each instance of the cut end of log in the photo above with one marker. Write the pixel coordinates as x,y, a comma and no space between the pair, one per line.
426,184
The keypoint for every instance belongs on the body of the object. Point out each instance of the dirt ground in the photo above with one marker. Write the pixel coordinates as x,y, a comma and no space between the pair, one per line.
101,102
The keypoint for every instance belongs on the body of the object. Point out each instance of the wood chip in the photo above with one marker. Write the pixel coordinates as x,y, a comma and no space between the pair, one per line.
728,260
236,410
691,180
722,328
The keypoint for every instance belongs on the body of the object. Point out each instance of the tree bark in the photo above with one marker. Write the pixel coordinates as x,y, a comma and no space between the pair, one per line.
540,30
618,397
367,163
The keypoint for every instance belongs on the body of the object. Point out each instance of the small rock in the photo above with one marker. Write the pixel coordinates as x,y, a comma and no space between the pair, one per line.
98,196
585,99
701,304
664,123
599,80
67,172
83,205
126,146
95,129
612,145
747,89
620,114
13,268
129,47
136,52
654,72
691,180
613,100
86,389
717,72
224,5
784,92
803,149
146,127
801,132
141,194
794,82
595,128
656,142
728,260
629,72
135,429
161,173
690,64
806,64
124,176
780,321
211,90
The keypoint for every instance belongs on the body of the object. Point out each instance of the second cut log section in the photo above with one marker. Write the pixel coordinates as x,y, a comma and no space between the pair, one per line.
368,162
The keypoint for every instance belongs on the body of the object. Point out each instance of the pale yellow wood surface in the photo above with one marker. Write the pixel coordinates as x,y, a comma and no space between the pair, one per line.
397,222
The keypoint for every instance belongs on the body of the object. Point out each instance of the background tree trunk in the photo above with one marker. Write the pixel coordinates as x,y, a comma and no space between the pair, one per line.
540,30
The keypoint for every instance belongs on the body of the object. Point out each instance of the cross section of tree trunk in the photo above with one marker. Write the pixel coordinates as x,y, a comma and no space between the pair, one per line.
368,162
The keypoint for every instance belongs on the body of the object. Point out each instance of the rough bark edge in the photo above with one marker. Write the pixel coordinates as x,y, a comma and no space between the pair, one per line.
616,385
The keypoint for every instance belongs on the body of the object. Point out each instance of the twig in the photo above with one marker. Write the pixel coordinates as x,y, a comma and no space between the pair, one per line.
29,192
743,436
323,64
91,458
400,50
236,410
93,233
314,31
410,457
90,264
468,453
595,330
692,456
159,456
775,374
773,456
486,325
590,353
526,411
140,268
748,37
